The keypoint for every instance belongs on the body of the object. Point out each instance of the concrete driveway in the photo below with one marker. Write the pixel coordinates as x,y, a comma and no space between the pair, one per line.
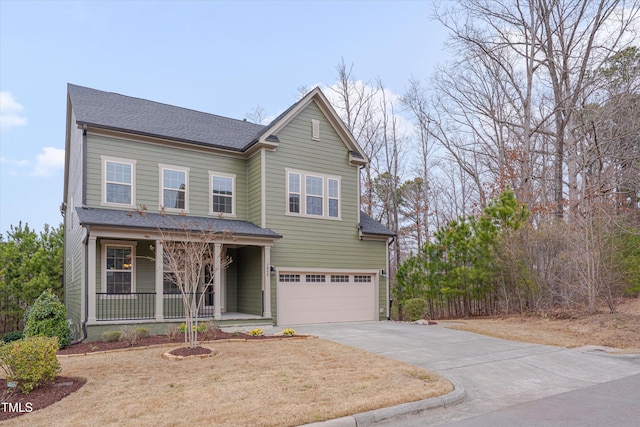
498,375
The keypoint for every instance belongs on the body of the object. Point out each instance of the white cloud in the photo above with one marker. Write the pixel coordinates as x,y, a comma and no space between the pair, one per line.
10,111
19,163
49,161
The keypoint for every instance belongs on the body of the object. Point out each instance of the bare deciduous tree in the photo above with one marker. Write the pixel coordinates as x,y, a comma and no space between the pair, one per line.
192,255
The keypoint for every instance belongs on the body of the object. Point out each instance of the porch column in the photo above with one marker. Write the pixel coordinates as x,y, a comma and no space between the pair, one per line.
217,285
159,281
266,281
91,279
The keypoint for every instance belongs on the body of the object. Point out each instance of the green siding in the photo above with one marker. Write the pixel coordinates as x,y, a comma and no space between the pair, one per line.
147,179
73,268
311,242
232,281
249,281
73,234
254,180
306,243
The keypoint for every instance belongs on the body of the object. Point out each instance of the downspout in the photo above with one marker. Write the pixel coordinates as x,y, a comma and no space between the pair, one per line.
86,238
86,284
389,300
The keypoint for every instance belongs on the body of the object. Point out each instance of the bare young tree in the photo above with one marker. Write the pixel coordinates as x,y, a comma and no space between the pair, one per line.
192,254
257,115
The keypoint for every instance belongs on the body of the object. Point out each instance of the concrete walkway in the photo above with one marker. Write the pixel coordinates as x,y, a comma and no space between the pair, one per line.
496,374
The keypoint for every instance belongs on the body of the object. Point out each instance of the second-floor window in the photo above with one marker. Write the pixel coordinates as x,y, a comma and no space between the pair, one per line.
222,193
118,181
174,187
313,195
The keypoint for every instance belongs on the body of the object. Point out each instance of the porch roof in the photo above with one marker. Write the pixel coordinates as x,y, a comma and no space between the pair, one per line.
155,221
372,227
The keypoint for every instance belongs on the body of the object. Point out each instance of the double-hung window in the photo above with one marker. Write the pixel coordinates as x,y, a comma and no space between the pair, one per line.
313,195
222,194
174,188
119,276
333,197
173,269
315,191
294,192
118,177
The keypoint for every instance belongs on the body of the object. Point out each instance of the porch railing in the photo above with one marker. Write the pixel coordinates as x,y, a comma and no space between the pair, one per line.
129,306
142,306
173,306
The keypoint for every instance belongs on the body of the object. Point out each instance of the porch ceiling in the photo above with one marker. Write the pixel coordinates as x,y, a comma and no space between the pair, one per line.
166,222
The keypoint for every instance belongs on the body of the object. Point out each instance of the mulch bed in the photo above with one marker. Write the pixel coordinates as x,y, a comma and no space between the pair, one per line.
92,347
187,351
16,403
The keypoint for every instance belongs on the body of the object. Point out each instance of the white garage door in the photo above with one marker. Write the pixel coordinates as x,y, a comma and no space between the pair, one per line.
326,297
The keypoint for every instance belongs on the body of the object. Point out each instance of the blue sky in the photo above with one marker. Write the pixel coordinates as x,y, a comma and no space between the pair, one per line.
219,57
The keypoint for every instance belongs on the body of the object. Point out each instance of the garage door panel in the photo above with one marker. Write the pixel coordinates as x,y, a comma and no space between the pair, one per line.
321,302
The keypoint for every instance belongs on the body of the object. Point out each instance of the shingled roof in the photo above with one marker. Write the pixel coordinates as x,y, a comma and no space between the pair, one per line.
108,110
155,221
372,227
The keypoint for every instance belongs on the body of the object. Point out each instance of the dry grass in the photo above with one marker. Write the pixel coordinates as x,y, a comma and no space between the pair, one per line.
619,331
257,383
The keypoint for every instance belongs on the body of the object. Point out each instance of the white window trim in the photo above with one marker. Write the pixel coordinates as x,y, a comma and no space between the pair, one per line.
106,159
339,198
233,193
120,243
164,167
165,271
303,194
322,196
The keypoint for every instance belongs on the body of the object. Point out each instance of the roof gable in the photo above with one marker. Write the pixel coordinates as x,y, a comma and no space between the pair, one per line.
357,155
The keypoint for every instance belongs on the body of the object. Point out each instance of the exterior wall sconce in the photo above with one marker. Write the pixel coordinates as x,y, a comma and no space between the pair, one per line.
272,269
383,273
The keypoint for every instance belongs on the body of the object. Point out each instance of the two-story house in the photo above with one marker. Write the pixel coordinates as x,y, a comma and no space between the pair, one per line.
287,194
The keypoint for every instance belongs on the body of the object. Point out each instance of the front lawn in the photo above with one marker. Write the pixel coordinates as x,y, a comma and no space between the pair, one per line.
258,383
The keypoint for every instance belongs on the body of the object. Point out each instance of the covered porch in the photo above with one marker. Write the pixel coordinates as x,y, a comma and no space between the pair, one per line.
126,277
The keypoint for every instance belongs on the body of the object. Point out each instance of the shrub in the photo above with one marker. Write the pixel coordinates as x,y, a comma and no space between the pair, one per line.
141,333
128,335
30,361
413,309
288,332
257,332
12,336
132,335
172,332
48,317
211,328
111,336
200,328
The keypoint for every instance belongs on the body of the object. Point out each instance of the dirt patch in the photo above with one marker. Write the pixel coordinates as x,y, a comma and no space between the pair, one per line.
188,351
566,329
